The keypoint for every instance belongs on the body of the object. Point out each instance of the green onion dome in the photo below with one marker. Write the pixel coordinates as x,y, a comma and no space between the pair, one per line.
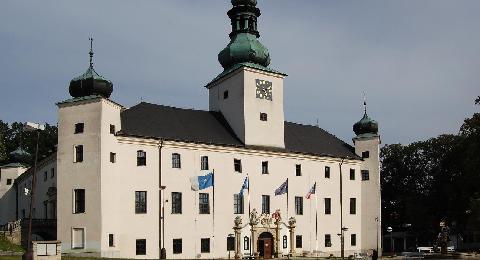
244,45
366,125
90,83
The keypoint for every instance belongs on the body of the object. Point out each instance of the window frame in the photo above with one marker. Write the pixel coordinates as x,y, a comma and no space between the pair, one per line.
141,200
9,181
265,167
328,240
353,239
237,165
141,248
225,94
177,245
176,203
263,117
204,163
203,203
79,128
266,204
113,157
298,205
327,172
79,201
238,204
284,241
246,243
78,153
112,129
327,204
141,158
176,161
298,238
203,247
298,170
365,175
352,174
365,154
111,240
353,206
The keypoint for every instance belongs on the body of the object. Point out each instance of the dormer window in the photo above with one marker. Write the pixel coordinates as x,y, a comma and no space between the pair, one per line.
79,128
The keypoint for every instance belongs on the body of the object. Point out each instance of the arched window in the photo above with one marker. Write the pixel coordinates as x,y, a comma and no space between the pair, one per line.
246,243
284,241
141,158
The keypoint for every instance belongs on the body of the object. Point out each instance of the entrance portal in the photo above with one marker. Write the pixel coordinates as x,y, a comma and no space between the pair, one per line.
265,245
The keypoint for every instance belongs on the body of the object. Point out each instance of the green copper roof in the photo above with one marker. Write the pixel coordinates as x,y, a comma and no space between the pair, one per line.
244,47
240,65
76,99
366,126
90,74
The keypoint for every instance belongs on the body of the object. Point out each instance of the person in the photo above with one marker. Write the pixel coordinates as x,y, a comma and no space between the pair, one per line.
374,255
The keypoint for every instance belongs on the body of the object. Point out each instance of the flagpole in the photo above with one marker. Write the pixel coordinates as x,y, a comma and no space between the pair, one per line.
213,215
287,197
316,218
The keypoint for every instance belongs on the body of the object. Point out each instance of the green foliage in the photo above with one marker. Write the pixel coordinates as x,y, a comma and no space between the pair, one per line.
13,136
433,180
6,245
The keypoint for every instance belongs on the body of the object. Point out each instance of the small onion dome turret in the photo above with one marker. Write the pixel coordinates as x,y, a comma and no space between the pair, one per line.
366,125
90,83
244,45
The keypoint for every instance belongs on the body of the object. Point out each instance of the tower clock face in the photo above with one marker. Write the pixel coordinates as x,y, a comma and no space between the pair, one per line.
264,89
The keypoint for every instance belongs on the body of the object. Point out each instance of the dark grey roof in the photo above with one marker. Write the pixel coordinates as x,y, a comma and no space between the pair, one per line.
170,123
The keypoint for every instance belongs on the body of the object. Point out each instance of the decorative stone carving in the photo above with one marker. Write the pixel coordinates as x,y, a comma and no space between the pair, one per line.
254,217
292,222
238,221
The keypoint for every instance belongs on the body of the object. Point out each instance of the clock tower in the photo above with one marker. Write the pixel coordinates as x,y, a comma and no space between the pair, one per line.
247,93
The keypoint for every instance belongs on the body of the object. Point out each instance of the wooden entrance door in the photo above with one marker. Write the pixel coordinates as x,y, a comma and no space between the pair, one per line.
265,245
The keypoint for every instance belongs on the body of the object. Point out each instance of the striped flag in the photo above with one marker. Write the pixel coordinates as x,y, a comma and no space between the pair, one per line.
282,189
311,191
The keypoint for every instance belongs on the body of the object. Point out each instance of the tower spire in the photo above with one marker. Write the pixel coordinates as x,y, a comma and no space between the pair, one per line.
364,102
91,51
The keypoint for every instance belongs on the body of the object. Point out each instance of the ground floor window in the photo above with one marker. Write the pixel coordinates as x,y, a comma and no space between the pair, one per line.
298,241
110,240
353,239
205,245
246,243
141,247
177,246
284,241
328,240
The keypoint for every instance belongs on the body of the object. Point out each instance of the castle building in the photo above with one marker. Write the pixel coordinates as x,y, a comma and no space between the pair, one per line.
133,181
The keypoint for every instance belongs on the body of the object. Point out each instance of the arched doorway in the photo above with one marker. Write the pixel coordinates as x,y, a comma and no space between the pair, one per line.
265,245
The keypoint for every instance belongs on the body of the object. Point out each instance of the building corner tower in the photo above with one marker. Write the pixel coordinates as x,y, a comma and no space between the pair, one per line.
367,145
247,93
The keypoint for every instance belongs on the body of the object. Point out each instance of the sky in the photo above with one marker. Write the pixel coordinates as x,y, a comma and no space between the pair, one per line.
417,61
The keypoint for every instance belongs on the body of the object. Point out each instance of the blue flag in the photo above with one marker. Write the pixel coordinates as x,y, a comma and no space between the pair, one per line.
201,182
246,184
282,189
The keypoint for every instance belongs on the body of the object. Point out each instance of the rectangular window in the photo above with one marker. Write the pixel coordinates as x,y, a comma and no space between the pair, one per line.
366,154
353,239
78,238
353,206
52,173
45,176
246,243
365,175
78,153
79,198
265,167
237,204
205,245
352,174
263,116
140,202
176,203
237,165
225,94
230,243
110,240
176,160
113,157
204,163
298,170
9,181
112,129
141,247
203,203
266,204
328,206
78,128
299,205
328,240
298,241
327,172
141,158
284,241
177,246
